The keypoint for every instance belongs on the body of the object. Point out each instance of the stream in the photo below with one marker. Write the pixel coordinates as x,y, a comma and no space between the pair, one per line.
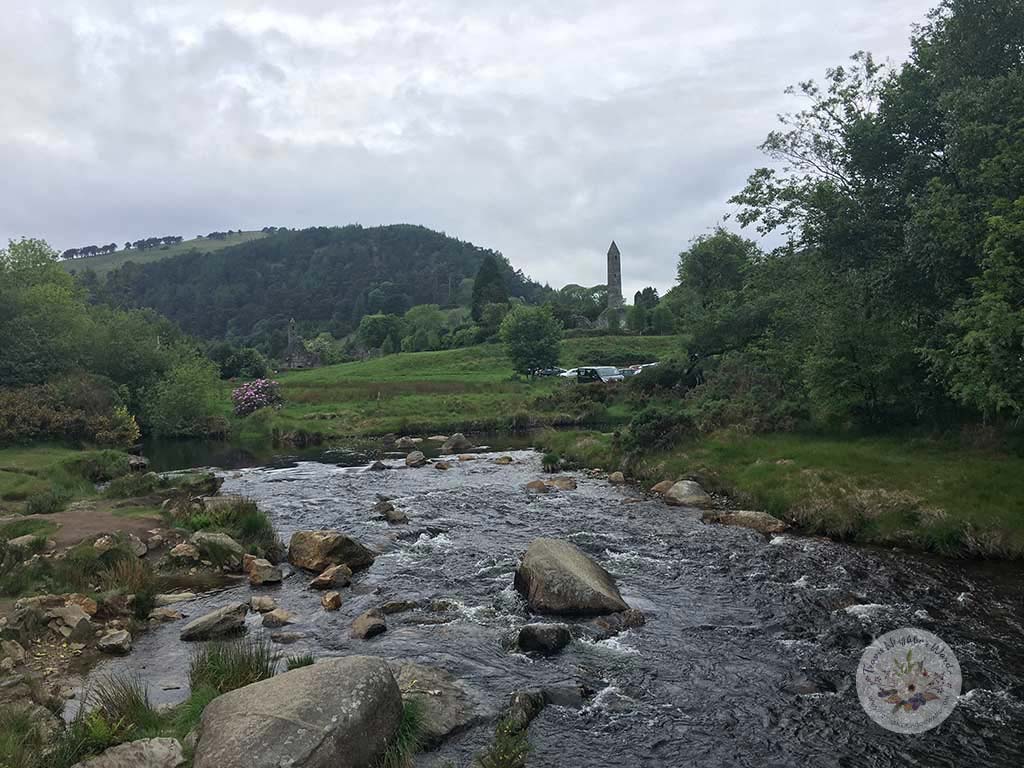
747,657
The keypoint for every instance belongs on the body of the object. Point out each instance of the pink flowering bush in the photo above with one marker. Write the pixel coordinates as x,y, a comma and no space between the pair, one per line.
261,393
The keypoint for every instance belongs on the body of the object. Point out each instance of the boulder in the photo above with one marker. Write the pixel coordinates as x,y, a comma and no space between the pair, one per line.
555,577
745,518
224,621
184,551
247,561
262,603
604,627
537,486
337,713
218,548
545,639
12,649
84,602
117,642
468,457
617,478
331,601
214,503
457,443
27,541
398,606
144,753
318,550
415,459
137,546
73,623
378,466
443,465
445,706
662,487
278,617
437,438
138,463
386,510
405,443
200,484
335,576
369,624
687,493
504,460
262,572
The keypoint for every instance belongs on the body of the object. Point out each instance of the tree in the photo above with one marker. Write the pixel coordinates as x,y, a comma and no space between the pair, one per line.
186,400
488,286
531,336
374,330
662,320
713,265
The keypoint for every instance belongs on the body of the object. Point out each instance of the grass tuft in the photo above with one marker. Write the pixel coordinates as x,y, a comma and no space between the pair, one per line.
408,738
300,660
225,666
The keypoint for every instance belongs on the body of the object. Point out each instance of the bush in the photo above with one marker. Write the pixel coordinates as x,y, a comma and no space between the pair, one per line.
250,397
657,427
135,484
185,401
46,502
243,521
225,666
669,376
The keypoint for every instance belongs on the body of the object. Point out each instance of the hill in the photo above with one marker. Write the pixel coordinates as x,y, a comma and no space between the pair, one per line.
327,278
107,262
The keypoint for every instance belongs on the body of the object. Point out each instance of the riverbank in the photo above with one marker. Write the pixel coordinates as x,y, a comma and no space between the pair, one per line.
472,389
920,494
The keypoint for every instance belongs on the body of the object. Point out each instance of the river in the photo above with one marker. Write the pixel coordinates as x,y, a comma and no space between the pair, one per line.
750,646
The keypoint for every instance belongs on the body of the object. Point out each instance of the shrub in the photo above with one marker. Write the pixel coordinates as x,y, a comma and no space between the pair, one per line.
185,401
669,376
46,502
408,738
301,660
135,484
243,521
656,427
225,666
97,466
261,393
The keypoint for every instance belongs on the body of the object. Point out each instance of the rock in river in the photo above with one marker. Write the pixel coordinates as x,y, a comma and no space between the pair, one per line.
335,576
545,639
369,624
745,518
337,713
446,708
415,459
319,550
687,493
144,753
457,443
220,623
556,577
219,548
116,642
262,572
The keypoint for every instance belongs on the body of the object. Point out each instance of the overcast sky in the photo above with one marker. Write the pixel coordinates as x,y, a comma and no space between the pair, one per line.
541,129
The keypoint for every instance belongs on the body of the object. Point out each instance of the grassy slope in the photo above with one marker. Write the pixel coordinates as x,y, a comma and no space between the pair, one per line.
923,494
108,261
24,471
469,389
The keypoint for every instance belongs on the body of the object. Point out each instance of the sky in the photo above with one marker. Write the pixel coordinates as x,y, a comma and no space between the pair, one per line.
540,129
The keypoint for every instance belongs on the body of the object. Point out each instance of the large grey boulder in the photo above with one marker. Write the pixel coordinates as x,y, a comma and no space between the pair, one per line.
746,518
337,713
687,493
445,706
116,642
319,550
224,621
144,753
556,577
415,459
263,572
456,444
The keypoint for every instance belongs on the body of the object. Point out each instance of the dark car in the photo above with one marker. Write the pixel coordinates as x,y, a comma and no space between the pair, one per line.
551,372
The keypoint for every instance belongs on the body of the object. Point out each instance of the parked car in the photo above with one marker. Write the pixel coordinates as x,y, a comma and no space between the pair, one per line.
570,374
598,373
627,372
551,372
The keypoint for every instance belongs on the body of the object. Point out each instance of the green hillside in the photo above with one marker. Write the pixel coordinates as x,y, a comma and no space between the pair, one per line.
104,263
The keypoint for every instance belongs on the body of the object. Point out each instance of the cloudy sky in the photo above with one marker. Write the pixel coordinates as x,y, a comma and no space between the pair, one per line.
541,129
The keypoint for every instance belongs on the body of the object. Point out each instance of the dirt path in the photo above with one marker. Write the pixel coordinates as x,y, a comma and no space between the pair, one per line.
86,519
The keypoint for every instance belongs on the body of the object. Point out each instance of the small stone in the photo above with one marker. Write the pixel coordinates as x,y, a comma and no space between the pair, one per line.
687,493
184,551
177,597
286,638
504,460
545,639
369,624
397,606
537,486
662,487
262,603
335,576
331,601
467,457
164,614
278,617
378,466
456,443
562,483
262,572
442,465
415,459
617,478
117,642
247,561
13,650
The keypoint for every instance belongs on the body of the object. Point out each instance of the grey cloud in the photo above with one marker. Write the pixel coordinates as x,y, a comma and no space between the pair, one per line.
540,129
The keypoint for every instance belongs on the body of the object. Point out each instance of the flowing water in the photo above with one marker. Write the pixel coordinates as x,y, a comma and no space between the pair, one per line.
747,657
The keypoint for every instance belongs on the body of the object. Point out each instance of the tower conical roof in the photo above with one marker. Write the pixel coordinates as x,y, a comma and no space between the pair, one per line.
613,250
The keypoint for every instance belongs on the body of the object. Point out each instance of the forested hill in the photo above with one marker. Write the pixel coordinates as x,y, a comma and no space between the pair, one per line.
327,278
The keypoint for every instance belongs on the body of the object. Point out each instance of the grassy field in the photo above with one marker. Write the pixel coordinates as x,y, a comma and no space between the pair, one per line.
108,261
925,494
468,389
28,471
